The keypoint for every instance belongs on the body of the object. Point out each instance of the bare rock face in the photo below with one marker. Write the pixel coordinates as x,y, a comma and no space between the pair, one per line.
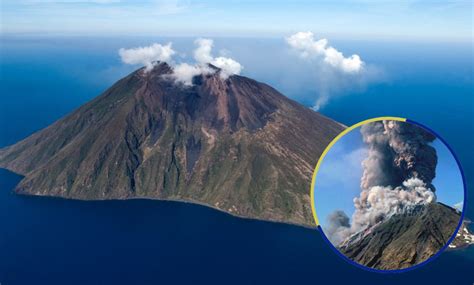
233,144
404,239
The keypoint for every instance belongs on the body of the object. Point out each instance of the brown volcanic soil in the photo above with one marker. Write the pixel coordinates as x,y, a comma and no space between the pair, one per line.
235,144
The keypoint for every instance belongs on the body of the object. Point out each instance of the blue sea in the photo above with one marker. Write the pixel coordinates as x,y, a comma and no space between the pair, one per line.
55,241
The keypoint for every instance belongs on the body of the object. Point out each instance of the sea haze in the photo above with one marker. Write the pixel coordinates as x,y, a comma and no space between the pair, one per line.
54,241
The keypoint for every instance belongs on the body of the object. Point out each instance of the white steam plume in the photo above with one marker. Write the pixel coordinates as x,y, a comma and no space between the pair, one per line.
203,55
333,73
185,72
305,43
459,206
182,72
148,55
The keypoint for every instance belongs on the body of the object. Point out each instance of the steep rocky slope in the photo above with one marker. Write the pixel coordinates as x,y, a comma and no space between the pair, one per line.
234,144
404,239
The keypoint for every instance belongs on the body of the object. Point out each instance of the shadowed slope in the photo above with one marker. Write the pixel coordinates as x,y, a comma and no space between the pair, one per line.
405,239
234,144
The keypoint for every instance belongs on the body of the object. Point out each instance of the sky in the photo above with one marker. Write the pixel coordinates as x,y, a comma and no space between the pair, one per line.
393,39
358,19
332,193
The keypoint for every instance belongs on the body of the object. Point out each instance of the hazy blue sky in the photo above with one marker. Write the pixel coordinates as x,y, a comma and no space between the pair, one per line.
346,156
422,19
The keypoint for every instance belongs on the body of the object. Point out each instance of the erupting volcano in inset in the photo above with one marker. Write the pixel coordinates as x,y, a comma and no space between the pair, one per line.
397,221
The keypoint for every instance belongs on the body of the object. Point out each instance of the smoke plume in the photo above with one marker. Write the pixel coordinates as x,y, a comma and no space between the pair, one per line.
339,227
182,72
333,74
397,151
202,55
305,43
397,176
148,55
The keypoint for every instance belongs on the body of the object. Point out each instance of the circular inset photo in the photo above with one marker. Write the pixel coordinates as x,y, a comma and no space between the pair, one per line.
388,194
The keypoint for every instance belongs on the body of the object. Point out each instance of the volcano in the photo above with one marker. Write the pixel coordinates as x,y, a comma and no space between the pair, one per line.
234,144
405,239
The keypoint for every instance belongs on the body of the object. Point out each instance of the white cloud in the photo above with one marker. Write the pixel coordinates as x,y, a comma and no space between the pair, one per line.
147,55
69,1
157,7
305,43
459,206
228,66
202,54
182,72
169,7
332,74
185,73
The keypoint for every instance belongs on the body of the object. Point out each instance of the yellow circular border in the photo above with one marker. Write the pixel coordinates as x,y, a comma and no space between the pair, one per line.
330,145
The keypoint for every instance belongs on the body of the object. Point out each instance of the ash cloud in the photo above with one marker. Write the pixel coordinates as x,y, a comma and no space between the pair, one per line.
378,203
397,176
397,151
338,227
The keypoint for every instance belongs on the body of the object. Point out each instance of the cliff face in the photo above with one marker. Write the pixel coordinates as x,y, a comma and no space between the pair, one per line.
404,239
234,144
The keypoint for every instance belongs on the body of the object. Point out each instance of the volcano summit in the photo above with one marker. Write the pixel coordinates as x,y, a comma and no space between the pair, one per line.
230,143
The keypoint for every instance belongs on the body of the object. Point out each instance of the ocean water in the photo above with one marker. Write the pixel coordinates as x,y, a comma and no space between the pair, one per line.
55,241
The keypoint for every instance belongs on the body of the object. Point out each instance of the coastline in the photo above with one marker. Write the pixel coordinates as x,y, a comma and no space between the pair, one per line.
466,223
186,201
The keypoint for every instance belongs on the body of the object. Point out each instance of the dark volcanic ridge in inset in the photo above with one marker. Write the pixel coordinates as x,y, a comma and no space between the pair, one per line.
234,144
397,222
404,240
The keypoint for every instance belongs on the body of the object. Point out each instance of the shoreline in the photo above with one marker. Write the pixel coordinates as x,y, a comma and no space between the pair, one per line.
191,202
466,221
186,201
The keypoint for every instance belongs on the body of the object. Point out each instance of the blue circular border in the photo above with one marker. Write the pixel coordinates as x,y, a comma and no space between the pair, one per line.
435,256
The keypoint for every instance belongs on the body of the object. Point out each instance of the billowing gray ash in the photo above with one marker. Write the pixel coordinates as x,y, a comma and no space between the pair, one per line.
397,151
398,172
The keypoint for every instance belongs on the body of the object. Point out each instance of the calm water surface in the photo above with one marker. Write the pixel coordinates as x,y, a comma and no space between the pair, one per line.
55,241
